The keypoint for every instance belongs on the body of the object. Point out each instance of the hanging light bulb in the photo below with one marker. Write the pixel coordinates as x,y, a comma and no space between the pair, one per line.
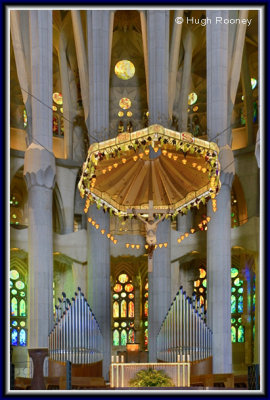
102,231
97,226
182,237
115,241
112,238
175,158
165,244
205,228
89,219
179,240
115,165
93,222
109,168
160,245
208,219
156,149
170,155
137,246
200,225
124,160
192,230
164,152
186,234
133,246
194,165
108,235
199,167
184,161
127,245
104,171
146,246
204,169
155,246
135,158
147,151
141,155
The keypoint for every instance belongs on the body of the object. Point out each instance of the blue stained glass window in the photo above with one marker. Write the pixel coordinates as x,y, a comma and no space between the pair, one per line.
22,337
233,304
14,323
240,304
241,336
14,337
123,337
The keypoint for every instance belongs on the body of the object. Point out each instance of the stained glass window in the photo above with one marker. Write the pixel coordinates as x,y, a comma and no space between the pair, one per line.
200,285
125,103
58,120
237,306
124,69
192,98
146,308
253,83
123,310
24,119
18,310
146,337
145,312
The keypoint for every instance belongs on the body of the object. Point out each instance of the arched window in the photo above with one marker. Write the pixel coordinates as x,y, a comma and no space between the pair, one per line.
123,311
145,312
200,287
237,301
18,310
58,120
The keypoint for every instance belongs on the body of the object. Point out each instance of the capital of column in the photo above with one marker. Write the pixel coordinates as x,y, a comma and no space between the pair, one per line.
226,160
39,167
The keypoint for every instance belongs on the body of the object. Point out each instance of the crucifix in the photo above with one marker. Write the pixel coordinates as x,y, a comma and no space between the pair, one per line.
151,229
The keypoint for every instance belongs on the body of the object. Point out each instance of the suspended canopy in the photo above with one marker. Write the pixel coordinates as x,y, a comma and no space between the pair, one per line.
122,177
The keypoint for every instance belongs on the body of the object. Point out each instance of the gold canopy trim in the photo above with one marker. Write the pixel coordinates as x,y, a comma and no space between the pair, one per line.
119,176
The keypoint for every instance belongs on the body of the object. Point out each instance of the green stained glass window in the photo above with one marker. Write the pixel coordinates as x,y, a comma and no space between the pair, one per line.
146,337
232,320
22,294
204,283
22,323
14,307
240,290
146,323
115,296
234,272
233,304
14,291
14,274
22,308
10,284
24,119
233,289
238,282
19,285
123,324
116,337
123,337
233,334
241,337
240,304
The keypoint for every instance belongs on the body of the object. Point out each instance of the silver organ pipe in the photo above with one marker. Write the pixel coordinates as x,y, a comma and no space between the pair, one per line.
184,331
76,335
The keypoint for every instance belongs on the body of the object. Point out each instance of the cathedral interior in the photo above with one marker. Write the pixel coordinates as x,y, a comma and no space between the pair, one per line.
85,76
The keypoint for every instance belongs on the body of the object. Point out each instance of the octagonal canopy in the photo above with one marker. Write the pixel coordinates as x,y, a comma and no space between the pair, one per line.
168,170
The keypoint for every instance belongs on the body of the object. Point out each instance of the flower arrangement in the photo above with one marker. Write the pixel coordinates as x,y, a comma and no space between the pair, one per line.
151,377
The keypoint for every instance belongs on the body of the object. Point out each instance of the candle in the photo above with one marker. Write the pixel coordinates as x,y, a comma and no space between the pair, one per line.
122,359
112,359
117,359
178,358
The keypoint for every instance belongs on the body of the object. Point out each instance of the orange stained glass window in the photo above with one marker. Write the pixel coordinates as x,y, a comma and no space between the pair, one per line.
202,273
146,286
131,309
125,103
57,98
197,283
129,287
146,308
123,309
117,288
115,309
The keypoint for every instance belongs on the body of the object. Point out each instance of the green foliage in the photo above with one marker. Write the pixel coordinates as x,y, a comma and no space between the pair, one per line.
151,377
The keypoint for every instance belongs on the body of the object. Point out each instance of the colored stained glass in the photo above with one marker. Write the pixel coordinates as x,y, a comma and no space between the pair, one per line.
117,288
55,125
233,304
195,108
54,108
123,337
116,324
124,69
123,294
201,290
123,309
146,323
146,295
234,272
253,83
131,309
14,337
22,294
238,282
22,308
240,320
115,309
146,337
129,113
14,291
22,339
10,284
115,296
120,114
131,324
197,283
240,290
204,282
131,336
129,287
202,273
146,308
57,98
123,324
22,323
233,289
192,98
240,304
115,337
233,334
232,320
241,336
14,274
131,296
14,307
201,300
62,110
24,119
14,323
62,126
19,285
146,286
125,103
123,278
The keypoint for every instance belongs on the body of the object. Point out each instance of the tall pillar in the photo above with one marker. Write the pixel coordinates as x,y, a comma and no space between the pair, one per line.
39,173
158,67
98,34
219,230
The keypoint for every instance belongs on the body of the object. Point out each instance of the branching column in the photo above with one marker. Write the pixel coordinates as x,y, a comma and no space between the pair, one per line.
98,34
219,230
39,173
158,67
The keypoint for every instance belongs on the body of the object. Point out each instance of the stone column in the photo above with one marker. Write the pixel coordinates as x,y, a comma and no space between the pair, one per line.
98,35
219,230
158,68
39,173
